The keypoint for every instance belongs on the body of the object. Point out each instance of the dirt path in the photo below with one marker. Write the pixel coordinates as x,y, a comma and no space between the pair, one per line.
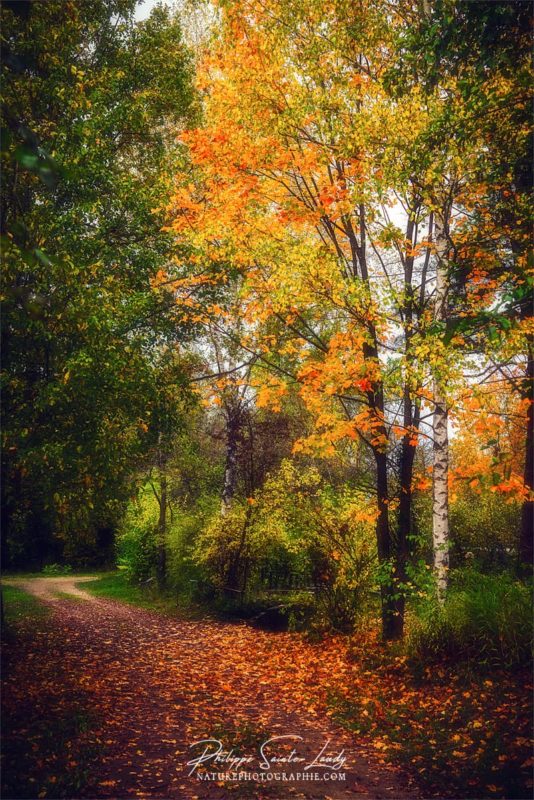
157,685
50,590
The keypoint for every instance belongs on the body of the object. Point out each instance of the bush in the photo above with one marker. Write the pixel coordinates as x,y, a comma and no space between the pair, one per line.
139,553
486,618
187,580
57,569
275,611
136,543
223,546
483,528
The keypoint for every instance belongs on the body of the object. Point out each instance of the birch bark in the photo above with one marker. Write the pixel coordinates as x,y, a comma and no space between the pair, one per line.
440,508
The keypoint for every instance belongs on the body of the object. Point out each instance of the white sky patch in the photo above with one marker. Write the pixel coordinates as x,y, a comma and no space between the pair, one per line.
144,9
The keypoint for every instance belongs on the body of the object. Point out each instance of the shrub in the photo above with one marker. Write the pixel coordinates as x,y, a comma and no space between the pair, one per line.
136,543
186,577
483,528
223,545
486,618
139,553
57,569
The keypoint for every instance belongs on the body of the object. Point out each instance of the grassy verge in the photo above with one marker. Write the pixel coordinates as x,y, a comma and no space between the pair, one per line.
19,605
48,747
116,586
276,612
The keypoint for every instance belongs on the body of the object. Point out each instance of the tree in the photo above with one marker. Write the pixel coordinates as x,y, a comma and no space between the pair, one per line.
293,193
85,90
476,59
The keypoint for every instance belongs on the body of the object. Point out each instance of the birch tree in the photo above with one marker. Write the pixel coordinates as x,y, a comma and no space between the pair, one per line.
440,499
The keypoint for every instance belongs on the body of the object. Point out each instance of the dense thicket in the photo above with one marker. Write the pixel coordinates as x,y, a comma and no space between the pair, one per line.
92,105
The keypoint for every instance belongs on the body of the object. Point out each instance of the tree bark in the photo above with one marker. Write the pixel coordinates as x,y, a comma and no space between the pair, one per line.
161,564
411,415
392,605
230,466
440,510
526,536
405,500
391,599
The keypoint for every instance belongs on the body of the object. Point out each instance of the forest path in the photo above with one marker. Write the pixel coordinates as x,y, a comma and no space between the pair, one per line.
154,685
52,589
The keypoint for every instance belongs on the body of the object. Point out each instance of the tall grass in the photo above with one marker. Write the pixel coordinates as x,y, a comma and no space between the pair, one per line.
486,618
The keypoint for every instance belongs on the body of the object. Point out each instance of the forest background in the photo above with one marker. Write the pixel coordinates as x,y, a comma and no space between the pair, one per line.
267,333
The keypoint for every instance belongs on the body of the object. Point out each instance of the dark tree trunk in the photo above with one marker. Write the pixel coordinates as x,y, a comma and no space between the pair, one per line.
392,607
392,603
405,544
410,418
161,564
392,611
234,422
230,467
235,579
526,536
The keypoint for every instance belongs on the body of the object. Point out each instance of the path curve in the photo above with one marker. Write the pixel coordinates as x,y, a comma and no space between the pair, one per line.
50,589
158,684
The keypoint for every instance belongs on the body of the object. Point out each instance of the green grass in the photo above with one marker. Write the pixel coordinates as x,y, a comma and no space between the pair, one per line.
21,575
485,620
117,587
19,604
66,573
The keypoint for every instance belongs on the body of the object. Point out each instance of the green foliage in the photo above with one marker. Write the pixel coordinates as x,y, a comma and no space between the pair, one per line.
136,541
486,619
333,529
484,530
457,36
225,541
57,569
136,537
298,531
89,100
185,576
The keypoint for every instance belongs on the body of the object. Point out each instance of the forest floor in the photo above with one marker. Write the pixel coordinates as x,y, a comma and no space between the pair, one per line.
106,700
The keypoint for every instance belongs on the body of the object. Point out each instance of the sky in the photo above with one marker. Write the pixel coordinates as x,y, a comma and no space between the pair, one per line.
144,8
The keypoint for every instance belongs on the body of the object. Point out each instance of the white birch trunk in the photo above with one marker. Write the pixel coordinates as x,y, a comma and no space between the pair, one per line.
230,467
440,508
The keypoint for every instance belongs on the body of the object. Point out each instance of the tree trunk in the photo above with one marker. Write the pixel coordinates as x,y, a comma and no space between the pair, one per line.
392,606
230,467
440,509
404,547
526,536
233,578
161,565
411,418
391,599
